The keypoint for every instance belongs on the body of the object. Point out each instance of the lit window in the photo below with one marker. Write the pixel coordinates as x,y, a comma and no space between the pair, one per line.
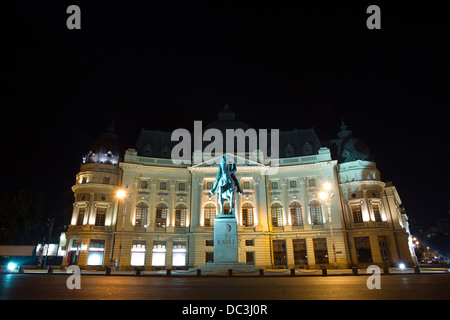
357,213
141,214
315,209
376,212
100,217
96,252
80,219
296,213
180,215
247,214
161,215
179,253
210,215
226,208
138,253
277,215
159,253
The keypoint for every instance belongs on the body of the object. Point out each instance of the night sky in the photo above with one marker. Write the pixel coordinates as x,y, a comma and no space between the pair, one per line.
282,66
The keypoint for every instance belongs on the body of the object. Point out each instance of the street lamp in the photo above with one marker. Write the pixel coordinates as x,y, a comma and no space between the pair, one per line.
327,195
121,195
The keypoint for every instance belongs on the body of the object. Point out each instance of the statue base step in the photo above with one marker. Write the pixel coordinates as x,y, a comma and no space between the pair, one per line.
215,267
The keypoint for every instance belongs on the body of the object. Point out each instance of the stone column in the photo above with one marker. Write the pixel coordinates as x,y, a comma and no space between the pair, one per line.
91,212
262,209
284,201
152,204
305,204
171,201
196,195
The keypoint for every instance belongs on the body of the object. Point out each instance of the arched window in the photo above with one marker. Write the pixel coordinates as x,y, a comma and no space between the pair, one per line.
161,215
226,208
277,215
315,209
141,214
296,213
247,214
180,216
210,215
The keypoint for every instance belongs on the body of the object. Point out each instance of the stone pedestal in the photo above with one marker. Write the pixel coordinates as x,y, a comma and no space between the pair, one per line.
226,247
225,240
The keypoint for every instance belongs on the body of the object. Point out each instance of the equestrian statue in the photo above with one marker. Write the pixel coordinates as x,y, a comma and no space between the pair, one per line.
226,184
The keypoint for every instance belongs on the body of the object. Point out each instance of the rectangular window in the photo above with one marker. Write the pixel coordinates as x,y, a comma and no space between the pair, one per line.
209,185
83,179
363,251
209,243
100,217
144,184
250,243
96,252
274,185
181,186
376,212
138,253
299,246
357,213
312,182
320,250
80,219
179,253
246,185
159,254
279,253
293,184
106,180
209,257
250,258
162,186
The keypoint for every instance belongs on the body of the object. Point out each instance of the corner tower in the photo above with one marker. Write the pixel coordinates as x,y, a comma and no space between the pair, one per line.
90,235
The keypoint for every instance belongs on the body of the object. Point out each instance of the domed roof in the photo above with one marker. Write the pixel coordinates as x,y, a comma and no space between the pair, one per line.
226,120
348,148
105,150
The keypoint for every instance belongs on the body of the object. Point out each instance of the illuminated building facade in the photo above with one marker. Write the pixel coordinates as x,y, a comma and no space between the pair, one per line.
166,219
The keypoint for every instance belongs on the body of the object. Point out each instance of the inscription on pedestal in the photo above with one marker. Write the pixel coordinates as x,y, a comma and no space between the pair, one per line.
225,240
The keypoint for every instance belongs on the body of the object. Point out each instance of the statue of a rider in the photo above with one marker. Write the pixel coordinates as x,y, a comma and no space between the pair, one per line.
226,184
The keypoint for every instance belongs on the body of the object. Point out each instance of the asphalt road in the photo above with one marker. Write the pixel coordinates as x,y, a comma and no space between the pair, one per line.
393,287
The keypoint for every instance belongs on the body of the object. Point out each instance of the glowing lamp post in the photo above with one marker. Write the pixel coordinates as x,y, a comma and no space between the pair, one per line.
121,195
327,195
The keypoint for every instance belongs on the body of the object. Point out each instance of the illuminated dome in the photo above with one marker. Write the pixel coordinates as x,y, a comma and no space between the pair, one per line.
105,150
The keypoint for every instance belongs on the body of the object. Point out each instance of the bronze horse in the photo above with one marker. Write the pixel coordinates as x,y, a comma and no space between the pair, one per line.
225,183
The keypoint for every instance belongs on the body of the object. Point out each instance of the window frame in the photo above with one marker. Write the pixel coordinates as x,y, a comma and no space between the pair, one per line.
161,215
316,212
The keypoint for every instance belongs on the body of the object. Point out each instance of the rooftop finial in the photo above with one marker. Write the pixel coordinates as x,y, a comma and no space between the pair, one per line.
111,128
226,114
344,130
